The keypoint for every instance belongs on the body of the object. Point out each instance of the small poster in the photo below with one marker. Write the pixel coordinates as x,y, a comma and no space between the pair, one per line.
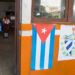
67,43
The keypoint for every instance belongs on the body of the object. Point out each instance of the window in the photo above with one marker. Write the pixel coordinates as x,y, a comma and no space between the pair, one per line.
50,9
53,10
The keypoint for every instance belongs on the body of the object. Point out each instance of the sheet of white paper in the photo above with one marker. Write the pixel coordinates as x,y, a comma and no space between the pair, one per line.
67,43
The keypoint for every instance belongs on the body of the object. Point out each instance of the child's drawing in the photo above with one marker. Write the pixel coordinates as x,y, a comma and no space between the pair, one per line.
67,43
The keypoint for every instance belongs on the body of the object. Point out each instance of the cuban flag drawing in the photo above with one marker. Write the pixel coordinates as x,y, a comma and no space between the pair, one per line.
42,46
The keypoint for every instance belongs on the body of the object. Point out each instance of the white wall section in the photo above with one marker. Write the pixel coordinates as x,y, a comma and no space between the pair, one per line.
26,11
57,32
29,33
25,33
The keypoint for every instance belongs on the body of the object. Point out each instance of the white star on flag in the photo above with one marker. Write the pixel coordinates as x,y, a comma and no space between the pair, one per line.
44,30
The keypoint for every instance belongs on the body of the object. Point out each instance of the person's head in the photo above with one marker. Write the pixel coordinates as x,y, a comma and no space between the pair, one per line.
5,17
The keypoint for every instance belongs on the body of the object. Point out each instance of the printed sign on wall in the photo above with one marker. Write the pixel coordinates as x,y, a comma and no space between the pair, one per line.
67,43
42,46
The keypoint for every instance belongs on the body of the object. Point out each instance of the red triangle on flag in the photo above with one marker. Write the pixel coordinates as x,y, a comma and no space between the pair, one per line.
43,30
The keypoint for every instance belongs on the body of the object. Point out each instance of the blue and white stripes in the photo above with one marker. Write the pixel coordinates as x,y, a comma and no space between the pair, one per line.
69,45
42,53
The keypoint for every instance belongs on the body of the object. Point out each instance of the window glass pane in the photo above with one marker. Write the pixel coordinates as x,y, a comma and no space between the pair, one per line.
49,8
74,9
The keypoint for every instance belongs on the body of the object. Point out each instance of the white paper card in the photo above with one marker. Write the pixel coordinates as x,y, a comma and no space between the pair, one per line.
67,43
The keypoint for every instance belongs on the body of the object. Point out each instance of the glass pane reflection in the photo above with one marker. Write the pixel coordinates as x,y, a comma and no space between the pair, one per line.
50,8
74,9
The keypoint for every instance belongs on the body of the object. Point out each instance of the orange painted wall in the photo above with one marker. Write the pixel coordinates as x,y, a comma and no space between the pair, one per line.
59,67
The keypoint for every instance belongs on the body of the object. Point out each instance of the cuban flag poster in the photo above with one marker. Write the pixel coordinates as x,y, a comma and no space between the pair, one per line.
42,46
67,43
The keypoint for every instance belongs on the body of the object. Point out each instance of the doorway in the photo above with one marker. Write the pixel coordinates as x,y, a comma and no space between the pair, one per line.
8,50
